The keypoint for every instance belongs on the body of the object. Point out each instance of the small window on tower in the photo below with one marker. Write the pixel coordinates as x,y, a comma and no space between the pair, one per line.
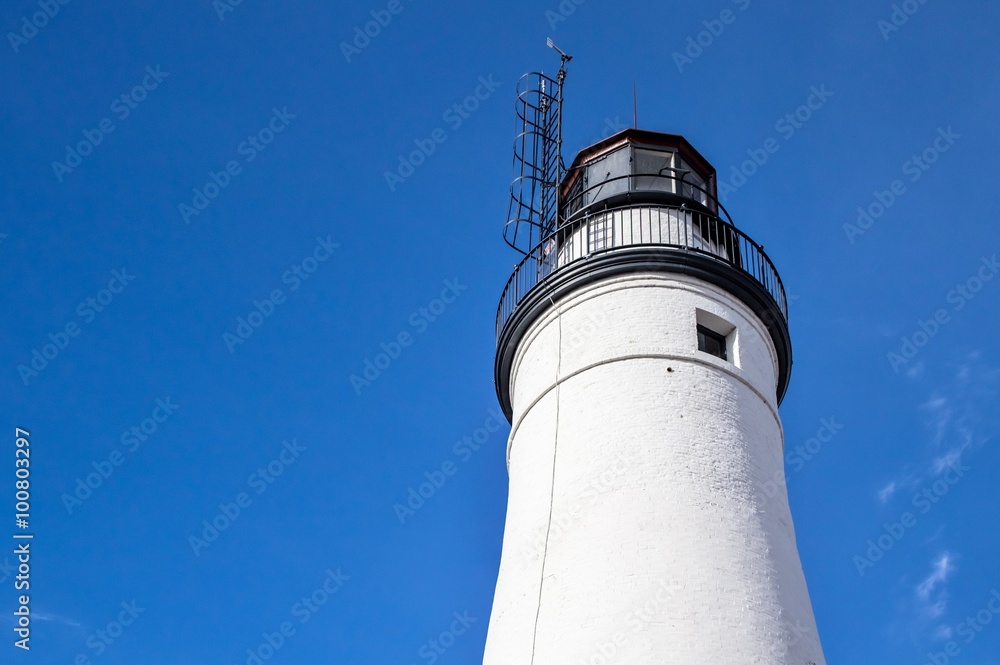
717,337
711,342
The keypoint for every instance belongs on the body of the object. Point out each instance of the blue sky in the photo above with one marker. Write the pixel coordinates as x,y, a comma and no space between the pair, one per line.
287,137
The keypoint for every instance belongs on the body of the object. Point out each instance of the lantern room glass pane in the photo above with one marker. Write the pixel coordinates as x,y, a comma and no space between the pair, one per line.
692,184
607,176
659,169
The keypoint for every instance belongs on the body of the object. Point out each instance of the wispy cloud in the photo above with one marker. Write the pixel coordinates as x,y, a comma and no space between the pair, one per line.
951,458
942,568
959,418
935,403
934,536
943,633
922,600
932,591
57,618
939,413
886,492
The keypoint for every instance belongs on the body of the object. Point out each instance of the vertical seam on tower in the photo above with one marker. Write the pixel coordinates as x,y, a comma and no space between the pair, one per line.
552,485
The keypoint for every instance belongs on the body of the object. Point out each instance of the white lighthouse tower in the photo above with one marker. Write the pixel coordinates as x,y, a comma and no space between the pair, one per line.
642,353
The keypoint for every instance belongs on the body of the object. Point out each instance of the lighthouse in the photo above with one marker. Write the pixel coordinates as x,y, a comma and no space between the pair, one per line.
642,353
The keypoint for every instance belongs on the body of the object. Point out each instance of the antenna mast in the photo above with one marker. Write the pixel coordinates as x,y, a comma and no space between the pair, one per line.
561,77
635,113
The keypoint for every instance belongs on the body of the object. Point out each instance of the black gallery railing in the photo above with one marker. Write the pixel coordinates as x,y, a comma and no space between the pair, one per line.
669,226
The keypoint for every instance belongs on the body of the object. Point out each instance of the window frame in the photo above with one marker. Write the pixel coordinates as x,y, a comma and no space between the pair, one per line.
704,332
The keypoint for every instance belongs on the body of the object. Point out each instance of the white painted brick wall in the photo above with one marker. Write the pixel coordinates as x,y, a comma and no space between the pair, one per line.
636,472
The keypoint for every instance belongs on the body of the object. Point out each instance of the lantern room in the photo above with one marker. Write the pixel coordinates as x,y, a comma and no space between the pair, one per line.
638,166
